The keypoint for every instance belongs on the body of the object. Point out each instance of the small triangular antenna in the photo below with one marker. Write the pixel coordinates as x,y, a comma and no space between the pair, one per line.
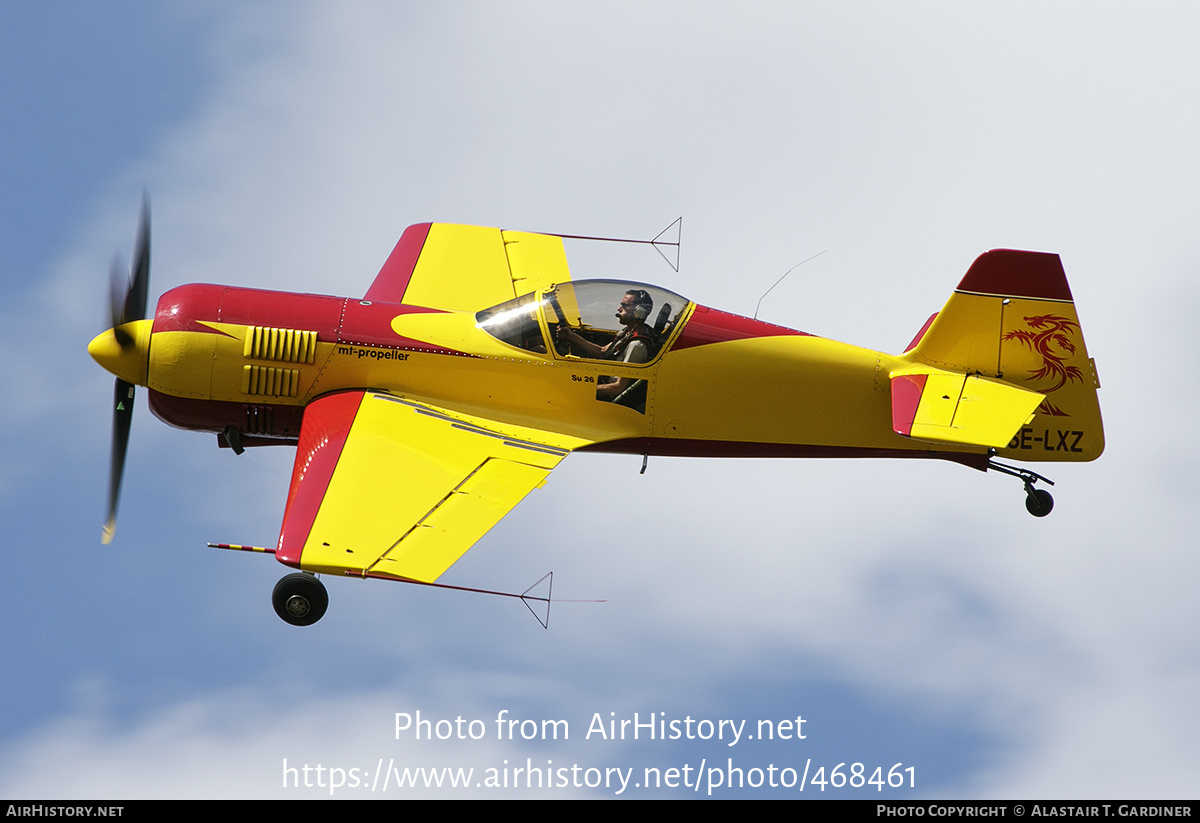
661,241
533,599
675,230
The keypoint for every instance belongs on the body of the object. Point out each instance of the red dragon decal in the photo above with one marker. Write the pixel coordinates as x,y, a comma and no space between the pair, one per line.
1054,331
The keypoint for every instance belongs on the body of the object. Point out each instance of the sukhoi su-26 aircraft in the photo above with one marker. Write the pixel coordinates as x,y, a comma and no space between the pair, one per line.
424,411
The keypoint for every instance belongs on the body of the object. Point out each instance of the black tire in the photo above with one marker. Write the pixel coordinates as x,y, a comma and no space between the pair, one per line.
300,599
1038,502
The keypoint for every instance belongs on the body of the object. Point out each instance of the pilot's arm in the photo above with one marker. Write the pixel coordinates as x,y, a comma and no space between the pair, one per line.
591,349
636,352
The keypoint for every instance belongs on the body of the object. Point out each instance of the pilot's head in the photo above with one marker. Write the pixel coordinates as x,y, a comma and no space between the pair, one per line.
635,307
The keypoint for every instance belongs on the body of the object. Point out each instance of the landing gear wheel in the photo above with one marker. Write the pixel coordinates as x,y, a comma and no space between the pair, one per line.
300,599
1038,502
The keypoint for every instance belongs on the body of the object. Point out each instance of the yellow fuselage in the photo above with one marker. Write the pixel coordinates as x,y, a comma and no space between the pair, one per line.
768,391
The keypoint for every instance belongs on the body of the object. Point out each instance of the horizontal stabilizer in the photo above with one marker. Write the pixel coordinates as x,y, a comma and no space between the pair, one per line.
951,407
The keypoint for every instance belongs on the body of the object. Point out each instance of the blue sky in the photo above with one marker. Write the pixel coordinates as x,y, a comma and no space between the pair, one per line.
910,613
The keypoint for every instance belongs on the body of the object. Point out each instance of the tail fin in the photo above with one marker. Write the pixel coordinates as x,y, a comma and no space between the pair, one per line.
1012,319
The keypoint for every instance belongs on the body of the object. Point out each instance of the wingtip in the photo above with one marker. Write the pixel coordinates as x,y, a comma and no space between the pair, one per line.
106,533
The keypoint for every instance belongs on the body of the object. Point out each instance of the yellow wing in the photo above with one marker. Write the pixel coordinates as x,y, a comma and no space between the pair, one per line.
467,268
386,486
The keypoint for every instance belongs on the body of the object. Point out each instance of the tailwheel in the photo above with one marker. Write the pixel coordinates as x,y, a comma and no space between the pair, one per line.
300,599
1038,502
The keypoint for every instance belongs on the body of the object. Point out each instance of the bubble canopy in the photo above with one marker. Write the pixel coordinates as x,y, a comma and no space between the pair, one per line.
587,307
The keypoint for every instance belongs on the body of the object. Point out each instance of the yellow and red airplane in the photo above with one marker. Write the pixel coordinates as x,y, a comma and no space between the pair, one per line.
425,411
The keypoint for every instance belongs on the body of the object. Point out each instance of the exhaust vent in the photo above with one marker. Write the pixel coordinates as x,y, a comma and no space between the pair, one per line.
271,381
290,345
259,420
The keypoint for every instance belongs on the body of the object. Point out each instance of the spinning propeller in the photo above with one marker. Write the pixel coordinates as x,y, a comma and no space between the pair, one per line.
124,350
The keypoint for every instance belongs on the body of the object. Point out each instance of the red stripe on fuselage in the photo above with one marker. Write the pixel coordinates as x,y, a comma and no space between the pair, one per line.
366,323
334,319
182,308
707,326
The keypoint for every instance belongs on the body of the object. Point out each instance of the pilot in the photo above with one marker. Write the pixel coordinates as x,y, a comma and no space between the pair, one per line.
633,344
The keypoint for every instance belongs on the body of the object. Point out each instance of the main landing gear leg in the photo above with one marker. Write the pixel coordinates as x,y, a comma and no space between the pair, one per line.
1038,502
